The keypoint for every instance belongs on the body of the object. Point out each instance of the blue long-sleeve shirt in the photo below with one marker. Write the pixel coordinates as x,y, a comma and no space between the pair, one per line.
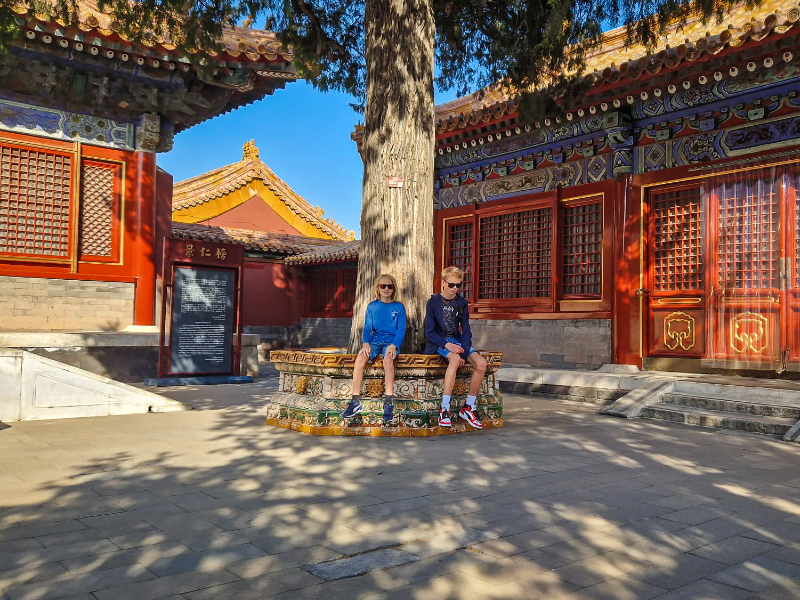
385,322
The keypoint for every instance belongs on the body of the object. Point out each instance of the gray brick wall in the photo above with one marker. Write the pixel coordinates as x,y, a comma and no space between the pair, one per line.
272,338
317,333
554,344
38,304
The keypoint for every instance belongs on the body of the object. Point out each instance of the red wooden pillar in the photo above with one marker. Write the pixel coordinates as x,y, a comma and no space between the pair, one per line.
626,331
144,256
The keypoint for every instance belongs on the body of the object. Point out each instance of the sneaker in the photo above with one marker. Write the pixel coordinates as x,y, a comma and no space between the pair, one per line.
388,413
444,417
352,409
468,415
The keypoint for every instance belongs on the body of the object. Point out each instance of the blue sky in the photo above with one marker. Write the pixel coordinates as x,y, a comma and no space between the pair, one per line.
304,137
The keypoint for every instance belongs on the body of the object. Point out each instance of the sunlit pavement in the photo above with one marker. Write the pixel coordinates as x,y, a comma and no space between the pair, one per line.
560,503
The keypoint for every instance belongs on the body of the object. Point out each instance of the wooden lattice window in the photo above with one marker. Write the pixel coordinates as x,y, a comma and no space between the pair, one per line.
323,286
349,278
678,221
459,252
99,214
582,229
35,202
797,233
331,291
748,233
515,255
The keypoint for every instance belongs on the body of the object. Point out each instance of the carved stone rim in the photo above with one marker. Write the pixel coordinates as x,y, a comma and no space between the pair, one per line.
404,361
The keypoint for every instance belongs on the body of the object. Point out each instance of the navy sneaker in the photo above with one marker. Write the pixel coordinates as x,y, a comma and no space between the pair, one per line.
388,413
352,409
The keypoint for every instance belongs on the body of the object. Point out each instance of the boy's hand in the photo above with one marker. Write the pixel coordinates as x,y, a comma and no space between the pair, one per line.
454,348
364,350
390,352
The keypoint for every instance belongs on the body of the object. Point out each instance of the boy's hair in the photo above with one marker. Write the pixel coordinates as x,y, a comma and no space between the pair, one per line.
454,272
378,280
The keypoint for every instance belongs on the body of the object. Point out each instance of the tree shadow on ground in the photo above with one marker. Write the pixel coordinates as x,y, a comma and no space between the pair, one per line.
212,503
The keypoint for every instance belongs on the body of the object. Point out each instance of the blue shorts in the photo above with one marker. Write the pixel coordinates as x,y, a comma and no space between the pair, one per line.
465,355
376,348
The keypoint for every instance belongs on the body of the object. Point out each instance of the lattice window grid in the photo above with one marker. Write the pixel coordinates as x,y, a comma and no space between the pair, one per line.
349,278
459,253
97,210
34,202
678,240
583,238
322,287
515,255
748,234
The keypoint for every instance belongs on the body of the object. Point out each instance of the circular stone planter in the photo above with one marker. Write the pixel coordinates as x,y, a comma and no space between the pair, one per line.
316,386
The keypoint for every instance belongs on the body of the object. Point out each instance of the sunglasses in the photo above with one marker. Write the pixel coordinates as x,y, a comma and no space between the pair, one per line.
386,286
454,285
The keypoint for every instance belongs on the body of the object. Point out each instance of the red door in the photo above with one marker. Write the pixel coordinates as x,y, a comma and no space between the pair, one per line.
675,296
719,280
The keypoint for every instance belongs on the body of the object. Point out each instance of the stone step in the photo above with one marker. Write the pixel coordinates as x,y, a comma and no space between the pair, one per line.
718,419
752,407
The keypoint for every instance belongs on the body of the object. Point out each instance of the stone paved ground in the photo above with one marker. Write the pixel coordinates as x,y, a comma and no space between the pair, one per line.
560,503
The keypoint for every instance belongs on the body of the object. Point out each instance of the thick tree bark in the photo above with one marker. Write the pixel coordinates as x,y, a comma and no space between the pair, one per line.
399,137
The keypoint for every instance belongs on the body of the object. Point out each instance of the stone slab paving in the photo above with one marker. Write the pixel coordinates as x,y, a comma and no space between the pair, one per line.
560,503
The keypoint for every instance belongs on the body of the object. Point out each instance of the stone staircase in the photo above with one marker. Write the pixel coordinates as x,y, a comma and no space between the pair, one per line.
765,406
743,415
767,410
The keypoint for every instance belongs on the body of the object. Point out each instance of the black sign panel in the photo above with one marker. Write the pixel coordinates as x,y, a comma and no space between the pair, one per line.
202,321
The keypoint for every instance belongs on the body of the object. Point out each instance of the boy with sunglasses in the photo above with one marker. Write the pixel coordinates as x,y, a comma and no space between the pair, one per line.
447,333
384,330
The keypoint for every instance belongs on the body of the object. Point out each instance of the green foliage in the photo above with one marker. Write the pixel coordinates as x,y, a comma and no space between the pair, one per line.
527,44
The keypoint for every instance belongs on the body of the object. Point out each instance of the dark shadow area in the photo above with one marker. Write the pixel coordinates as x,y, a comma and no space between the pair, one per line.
212,503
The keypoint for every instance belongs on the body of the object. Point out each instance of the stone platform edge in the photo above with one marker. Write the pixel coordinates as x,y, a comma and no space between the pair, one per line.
380,431
316,386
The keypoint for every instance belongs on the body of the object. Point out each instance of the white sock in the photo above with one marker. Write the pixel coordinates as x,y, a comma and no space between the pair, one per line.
446,402
471,401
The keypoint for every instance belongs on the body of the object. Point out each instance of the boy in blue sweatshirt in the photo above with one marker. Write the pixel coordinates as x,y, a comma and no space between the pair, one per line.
384,330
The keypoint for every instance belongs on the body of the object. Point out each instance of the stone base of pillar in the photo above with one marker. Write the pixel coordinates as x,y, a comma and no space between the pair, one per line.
316,386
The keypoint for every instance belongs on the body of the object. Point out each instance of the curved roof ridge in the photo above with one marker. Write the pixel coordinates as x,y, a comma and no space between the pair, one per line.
612,61
219,182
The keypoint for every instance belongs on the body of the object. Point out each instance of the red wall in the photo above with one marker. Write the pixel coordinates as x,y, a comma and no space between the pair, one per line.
137,233
269,297
163,215
253,214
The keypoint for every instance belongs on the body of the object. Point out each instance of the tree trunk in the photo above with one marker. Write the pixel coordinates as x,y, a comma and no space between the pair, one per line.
399,138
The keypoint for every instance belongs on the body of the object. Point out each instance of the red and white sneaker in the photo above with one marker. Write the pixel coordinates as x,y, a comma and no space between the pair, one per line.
468,415
444,417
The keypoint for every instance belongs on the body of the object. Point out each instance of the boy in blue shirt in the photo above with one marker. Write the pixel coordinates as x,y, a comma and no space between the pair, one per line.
384,330
447,333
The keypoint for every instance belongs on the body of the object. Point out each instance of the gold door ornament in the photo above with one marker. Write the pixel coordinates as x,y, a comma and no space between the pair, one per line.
679,331
749,332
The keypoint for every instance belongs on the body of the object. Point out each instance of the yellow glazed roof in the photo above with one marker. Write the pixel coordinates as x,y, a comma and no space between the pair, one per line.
219,183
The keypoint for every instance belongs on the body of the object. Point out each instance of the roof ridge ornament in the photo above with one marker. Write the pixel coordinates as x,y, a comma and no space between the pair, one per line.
250,152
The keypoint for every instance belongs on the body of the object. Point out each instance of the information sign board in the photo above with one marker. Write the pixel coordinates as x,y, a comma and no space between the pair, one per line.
202,321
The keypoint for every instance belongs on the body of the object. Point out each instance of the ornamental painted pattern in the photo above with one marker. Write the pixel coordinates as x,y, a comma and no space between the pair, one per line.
727,87
520,142
586,170
63,125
